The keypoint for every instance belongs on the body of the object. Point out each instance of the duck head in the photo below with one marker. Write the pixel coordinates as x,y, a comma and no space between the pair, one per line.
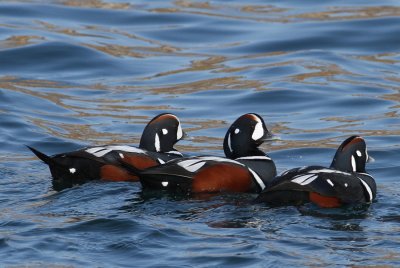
351,155
161,133
245,135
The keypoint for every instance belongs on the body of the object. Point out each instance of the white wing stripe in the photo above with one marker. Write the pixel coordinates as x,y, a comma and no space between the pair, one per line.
125,148
326,170
101,151
174,152
253,158
302,178
309,180
195,167
187,163
94,150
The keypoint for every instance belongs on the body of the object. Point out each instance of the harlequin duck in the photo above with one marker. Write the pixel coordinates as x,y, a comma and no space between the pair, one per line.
103,162
246,168
345,182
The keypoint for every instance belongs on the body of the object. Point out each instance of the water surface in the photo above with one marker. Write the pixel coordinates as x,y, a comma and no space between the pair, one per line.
77,73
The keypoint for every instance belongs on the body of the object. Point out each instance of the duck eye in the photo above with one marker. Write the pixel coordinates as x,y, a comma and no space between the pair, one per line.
165,131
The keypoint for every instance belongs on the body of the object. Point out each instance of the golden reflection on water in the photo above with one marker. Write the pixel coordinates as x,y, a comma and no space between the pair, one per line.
96,4
306,73
20,40
274,13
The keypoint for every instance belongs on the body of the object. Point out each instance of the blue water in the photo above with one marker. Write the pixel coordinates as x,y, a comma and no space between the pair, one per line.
76,73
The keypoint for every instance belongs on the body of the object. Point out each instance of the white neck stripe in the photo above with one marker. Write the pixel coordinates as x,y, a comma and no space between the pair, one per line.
157,143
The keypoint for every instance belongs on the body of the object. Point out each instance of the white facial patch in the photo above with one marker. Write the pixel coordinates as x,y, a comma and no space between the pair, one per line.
359,154
353,163
179,133
237,131
72,170
164,131
345,185
164,183
157,143
258,132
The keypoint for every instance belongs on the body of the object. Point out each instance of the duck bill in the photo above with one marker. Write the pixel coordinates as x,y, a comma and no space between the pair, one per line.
184,135
267,136
370,159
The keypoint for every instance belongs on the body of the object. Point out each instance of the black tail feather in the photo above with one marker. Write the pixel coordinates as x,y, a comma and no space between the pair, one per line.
45,158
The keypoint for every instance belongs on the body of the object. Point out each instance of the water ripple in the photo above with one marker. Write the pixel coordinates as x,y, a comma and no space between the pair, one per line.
78,73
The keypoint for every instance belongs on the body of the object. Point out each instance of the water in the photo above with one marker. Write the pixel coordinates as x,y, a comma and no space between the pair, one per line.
76,73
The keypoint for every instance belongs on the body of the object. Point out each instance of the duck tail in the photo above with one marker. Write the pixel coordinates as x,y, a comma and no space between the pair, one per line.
45,158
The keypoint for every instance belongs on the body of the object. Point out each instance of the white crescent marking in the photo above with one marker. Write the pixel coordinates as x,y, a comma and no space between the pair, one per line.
229,142
257,178
164,183
72,170
366,186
